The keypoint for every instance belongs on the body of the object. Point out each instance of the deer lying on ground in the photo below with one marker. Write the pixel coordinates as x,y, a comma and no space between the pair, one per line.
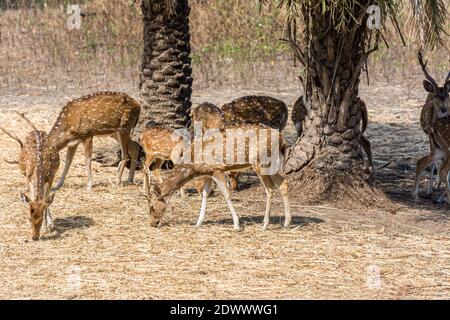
159,196
254,110
39,163
103,113
299,113
436,108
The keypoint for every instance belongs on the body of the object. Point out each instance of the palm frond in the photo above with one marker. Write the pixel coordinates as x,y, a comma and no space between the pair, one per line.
429,15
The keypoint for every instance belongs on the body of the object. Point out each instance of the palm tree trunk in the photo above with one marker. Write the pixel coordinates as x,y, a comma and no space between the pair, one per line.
328,157
165,80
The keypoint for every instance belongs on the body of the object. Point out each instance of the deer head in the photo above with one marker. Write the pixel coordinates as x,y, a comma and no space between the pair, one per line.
36,212
157,205
438,95
37,205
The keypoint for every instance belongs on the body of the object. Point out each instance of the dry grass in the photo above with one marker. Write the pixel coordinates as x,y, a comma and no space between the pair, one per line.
328,253
232,45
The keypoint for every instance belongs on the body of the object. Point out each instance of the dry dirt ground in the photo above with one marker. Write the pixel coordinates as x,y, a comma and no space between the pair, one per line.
104,247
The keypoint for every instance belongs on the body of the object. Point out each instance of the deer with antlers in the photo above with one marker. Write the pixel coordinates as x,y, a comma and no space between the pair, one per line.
104,113
39,163
236,143
433,121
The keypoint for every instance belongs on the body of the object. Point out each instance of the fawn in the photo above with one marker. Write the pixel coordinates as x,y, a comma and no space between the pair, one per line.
159,196
436,108
256,110
39,163
103,113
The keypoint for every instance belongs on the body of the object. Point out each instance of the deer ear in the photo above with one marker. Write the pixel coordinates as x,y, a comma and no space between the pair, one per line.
428,86
50,199
24,198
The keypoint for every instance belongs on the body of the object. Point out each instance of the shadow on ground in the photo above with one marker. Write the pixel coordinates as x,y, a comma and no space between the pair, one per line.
70,223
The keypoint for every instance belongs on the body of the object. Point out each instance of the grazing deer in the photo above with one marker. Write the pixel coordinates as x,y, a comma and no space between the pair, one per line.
299,113
210,117
160,144
103,113
436,108
39,163
254,110
159,196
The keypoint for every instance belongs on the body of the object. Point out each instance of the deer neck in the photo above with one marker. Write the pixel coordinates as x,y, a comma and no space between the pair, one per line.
57,137
177,178
38,174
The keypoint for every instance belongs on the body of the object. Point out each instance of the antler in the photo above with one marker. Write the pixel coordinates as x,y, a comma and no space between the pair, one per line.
424,69
12,136
27,120
448,78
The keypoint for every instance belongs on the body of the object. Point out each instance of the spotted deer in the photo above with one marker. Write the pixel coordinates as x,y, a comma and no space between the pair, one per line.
209,116
39,163
162,144
436,108
104,113
440,135
159,196
254,110
299,113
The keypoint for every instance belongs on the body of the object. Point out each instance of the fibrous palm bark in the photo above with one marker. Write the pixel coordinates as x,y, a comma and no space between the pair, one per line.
165,80
328,156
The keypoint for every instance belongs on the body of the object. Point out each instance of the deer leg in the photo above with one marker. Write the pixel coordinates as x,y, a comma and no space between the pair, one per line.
368,150
123,141
88,161
205,192
48,221
157,169
443,173
233,178
146,171
284,190
133,149
267,184
422,163
71,150
221,184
